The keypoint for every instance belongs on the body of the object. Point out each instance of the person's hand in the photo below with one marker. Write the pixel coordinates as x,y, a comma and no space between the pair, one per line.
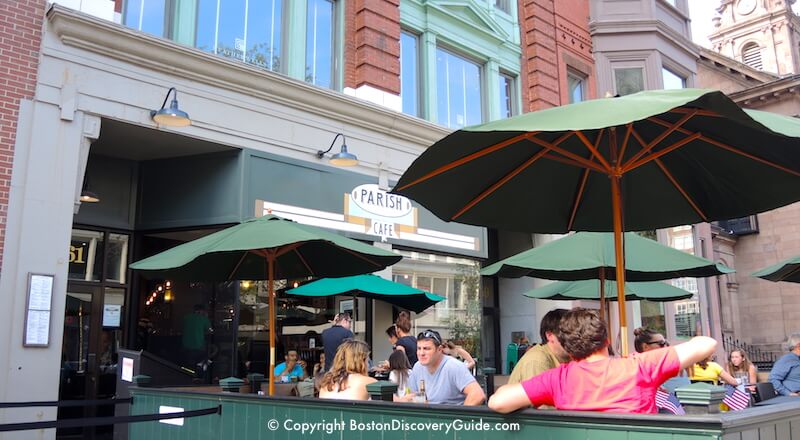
794,394
302,364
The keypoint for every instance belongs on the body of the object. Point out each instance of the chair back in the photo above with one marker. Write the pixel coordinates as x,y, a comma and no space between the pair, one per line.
676,382
764,391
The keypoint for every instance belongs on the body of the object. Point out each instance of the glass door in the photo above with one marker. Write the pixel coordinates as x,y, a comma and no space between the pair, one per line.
79,355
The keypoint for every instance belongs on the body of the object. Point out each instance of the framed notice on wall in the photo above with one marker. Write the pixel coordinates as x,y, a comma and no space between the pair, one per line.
37,310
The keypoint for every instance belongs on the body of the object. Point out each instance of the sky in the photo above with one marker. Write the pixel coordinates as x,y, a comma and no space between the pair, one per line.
701,12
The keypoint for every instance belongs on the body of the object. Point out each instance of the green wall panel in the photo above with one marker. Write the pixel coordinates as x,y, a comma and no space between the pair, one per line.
246,417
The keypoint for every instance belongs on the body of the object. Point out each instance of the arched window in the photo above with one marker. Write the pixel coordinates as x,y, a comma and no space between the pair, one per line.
751,55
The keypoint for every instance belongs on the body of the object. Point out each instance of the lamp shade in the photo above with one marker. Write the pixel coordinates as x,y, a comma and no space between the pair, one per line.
172,116
344,158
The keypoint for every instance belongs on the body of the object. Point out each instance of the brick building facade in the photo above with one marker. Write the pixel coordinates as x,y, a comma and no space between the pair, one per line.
20,39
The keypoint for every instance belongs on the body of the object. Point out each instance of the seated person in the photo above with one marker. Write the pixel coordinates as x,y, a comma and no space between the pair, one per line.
347,379
399,370
290,368
319,367
447,380
710,372
545,356
785,374
744,371
593,381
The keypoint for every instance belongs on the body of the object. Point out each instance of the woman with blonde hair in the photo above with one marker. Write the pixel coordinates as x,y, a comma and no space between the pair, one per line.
347,379
741,368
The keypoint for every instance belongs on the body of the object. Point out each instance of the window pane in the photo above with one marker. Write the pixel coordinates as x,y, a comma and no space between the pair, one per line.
671,80
117,258
247,30
146,16
86,255
458,83
629,80
409,73
319,43
576,88
506,97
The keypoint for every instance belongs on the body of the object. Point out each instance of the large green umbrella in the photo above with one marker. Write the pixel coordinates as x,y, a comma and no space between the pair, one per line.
591,255
787,270
268,248
370,286
649,160
588,289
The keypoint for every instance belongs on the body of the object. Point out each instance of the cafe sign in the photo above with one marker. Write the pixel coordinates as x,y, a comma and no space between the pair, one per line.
382,214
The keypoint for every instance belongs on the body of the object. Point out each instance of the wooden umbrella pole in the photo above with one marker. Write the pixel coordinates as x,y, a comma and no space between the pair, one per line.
619,250
271,299
603,316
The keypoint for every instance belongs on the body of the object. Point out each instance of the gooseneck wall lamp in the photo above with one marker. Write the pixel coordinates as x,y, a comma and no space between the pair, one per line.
342,158
172,116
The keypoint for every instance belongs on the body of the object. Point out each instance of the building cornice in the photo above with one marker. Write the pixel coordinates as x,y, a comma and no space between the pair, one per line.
777,90
109,39
619,27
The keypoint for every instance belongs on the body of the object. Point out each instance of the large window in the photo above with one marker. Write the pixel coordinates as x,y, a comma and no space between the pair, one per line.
319,43
458,317
409,73
507,109
147,16
672,80
246,30
458,90
629,80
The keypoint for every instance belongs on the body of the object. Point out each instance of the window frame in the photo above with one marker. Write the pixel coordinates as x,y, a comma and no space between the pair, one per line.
582,78
513,107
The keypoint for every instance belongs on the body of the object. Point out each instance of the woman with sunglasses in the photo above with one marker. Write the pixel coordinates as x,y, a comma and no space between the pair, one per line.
646,340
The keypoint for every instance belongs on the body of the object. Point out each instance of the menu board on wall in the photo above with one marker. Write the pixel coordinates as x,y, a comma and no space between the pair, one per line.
37,311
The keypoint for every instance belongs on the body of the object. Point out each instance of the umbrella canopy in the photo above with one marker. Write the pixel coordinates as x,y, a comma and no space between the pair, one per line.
370,286
787,270
685,156
584,255
268,248
649,160
589,289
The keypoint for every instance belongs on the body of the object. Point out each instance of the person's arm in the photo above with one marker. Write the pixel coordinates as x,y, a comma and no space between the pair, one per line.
474,394
467,357
752,374
727,378
695,350
779,372
509,398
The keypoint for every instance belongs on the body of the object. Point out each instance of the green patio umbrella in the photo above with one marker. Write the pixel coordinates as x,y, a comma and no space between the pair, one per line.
370,286
588,289
268,248
649,160
787,270
591,256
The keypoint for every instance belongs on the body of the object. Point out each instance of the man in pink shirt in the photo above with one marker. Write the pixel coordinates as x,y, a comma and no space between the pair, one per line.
593,381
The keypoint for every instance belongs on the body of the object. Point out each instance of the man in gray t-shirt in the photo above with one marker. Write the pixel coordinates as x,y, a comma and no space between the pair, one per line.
447,381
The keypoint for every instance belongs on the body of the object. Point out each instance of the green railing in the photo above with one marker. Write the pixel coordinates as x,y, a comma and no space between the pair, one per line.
252,417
